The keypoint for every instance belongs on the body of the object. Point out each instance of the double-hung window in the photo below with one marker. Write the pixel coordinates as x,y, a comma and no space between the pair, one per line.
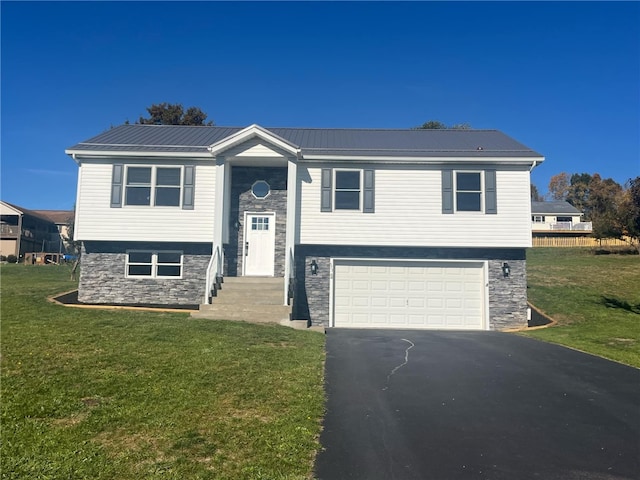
154,264
347,190
468,192
167,187
158,186
138,186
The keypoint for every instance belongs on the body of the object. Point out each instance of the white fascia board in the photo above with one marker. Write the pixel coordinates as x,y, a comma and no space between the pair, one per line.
91,154
534,161
249,133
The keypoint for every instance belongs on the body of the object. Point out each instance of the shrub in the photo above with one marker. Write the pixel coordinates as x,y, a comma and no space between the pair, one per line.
12,259
614,251
3,258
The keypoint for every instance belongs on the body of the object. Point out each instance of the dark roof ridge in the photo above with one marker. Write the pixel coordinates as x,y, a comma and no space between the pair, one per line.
374,129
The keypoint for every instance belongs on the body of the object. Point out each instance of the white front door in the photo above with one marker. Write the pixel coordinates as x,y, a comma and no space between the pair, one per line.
259,244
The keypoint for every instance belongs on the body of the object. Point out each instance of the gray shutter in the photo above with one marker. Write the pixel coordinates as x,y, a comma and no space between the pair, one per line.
325,199
368,192
188,186
490,200
447,191
116,186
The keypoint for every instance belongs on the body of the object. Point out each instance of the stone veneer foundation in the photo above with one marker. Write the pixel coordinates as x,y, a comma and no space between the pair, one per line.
507,296
103,279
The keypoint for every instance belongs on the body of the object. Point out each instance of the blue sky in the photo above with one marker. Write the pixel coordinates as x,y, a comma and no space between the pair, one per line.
562,78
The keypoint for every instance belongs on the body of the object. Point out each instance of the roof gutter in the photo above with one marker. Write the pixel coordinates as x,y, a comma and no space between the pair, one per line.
76,155
536,163
418,159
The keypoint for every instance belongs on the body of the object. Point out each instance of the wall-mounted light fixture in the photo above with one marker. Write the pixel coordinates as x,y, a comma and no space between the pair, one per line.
236,225
314,267
506,269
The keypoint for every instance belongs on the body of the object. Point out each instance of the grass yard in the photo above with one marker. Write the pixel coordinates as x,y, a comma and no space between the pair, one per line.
116,394
594,298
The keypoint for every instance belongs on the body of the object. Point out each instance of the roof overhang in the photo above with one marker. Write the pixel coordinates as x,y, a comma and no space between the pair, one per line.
530,161
78,155
253,131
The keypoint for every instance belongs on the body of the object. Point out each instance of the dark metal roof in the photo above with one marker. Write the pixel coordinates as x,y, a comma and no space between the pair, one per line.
315,141
552,208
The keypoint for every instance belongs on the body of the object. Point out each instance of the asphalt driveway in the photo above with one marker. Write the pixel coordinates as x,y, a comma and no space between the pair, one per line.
442,405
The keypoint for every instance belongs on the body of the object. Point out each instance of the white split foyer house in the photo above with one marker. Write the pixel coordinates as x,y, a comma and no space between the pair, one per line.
358,228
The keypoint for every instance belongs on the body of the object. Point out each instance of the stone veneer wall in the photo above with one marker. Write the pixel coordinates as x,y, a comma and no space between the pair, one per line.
103,280
507,296
242,200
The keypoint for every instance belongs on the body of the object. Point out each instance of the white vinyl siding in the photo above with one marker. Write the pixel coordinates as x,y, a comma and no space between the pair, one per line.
408,212
96,220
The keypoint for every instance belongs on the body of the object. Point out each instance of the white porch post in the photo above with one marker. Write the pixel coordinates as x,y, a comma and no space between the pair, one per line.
218,219
290,238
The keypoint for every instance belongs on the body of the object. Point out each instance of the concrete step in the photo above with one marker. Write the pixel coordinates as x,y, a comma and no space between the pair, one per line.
254,300
247,313
251,280
242,298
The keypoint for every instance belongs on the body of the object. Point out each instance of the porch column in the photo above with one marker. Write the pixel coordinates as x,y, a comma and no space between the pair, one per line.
218,219
290,239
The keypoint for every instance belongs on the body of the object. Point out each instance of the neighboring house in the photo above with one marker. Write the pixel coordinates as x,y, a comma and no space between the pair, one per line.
557,218
366,228
62,220
25,231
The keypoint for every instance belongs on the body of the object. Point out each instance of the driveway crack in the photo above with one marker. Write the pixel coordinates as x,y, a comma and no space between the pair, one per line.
406,360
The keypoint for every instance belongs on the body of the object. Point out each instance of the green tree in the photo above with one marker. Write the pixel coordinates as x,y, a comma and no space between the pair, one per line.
432,125
578,192
174,114
535,195
438,125
629,213
603,202
74,247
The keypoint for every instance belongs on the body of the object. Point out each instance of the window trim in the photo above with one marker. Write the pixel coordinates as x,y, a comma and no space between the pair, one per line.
335,189
482,192
153,186
253,186
154,264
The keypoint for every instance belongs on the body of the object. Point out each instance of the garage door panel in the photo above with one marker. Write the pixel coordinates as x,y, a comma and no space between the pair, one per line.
389,294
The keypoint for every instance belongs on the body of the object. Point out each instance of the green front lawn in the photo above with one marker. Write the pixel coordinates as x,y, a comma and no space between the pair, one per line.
96,394
594,298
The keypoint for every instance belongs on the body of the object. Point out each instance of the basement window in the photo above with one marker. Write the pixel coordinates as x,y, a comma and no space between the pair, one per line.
154,264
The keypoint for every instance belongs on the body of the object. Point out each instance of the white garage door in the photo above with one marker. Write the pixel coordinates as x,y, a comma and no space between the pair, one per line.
438,295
